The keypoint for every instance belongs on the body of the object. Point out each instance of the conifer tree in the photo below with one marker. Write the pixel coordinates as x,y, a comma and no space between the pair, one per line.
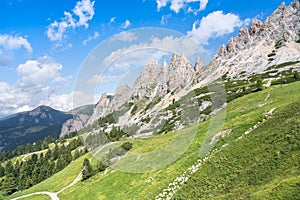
9,184
87,170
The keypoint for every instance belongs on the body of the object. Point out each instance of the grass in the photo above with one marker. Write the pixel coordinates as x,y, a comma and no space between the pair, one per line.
262,165
242,113
57,181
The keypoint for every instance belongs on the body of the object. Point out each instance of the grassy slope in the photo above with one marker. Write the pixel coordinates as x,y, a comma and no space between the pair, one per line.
57,181
242,114
263,165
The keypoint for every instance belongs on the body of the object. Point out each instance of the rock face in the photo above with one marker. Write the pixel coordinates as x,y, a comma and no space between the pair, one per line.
81,116
153,81
251,49
74,124
103,107
158,80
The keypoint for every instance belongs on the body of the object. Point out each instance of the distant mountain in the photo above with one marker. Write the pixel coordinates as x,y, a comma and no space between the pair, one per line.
31,126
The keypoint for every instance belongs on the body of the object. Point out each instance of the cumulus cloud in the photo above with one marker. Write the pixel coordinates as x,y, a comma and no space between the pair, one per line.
126,24
177,5
215,24
9,44
39,83
40,71
81,14
90,38
125,36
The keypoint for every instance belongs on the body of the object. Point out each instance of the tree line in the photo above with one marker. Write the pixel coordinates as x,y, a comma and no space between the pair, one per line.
24,174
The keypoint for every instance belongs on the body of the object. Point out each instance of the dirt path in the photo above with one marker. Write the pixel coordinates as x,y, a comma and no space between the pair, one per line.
29,154
52,195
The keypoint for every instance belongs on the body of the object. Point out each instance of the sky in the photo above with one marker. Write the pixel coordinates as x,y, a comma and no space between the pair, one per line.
52,52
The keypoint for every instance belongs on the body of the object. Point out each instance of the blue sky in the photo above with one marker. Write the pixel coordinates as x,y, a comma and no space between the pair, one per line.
44,44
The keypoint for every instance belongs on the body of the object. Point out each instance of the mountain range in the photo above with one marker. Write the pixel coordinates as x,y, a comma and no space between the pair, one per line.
268,48
226,130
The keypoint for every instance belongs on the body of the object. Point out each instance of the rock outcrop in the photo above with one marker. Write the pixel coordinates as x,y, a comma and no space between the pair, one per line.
102,108
158,80
250,50
74,124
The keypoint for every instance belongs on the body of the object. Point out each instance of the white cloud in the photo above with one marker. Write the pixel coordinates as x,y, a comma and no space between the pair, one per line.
40,71
157,48
85,11
81,14
215,24
39,83
112,20
203,4
63,102
90,38
125,36
9,45
161,3
164,19
177,5
126,24
10,42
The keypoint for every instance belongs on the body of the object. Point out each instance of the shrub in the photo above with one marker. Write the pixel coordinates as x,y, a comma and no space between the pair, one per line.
127,146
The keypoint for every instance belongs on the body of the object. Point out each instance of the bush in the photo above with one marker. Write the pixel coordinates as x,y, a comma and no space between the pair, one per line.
127,146
102,166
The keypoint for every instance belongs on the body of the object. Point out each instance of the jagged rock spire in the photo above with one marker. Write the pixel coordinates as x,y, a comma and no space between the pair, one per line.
198,65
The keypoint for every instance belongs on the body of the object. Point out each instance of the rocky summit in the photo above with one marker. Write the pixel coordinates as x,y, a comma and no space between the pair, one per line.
263,44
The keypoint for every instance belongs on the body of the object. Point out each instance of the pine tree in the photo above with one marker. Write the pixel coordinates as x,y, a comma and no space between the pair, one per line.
2,171
9,168
61,163
50,168
29,183
55,152
87,170
9,185
34,158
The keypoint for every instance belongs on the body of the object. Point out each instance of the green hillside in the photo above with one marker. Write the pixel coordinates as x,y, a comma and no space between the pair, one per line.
263,164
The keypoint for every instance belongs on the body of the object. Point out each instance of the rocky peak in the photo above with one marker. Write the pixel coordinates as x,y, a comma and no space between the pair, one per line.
231,46
198,65
103,107
179,60
249,50
164,64
295,5
158,80
122,95
255,27
283,24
